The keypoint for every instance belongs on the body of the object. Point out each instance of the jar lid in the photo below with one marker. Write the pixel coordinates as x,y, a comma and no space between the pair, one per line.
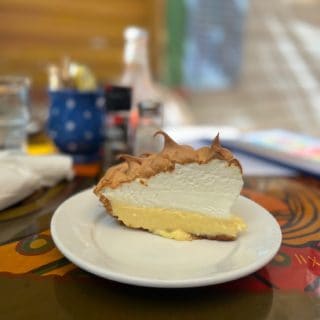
118,98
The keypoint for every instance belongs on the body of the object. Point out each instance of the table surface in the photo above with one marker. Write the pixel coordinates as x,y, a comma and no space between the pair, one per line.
36,281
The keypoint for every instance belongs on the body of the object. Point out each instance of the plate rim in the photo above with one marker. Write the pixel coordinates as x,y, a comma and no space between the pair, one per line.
162,283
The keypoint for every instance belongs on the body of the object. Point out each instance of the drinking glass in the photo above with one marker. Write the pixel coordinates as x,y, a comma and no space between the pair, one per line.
14,112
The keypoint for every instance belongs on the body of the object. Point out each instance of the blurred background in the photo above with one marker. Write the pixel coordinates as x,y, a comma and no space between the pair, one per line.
248,64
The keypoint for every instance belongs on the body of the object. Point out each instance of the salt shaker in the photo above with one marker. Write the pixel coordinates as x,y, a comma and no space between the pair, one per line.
150,121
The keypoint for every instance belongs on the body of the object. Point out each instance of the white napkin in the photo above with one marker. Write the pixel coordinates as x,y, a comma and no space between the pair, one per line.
21,175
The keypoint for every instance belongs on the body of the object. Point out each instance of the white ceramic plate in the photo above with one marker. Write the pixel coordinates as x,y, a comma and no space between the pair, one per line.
97,243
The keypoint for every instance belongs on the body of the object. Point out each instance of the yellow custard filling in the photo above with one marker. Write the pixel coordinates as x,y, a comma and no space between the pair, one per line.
176,224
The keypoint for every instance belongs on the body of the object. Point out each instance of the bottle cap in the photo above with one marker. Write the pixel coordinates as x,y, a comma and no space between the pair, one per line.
150,107
133,33
136,45
118,98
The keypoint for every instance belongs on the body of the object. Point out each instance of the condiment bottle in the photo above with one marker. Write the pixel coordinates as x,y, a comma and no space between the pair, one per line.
118,102
150,121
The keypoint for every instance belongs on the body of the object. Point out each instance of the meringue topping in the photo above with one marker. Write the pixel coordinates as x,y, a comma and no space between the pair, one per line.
148,165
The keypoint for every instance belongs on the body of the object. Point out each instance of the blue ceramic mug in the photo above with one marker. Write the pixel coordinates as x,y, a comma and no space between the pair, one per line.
76,122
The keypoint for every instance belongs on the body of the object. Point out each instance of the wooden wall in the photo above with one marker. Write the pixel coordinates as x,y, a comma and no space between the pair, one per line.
34,33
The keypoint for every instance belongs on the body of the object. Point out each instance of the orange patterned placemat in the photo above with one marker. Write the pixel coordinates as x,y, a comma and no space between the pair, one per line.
35,254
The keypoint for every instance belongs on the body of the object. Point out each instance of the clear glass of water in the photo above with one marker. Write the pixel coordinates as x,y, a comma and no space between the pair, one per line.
14,112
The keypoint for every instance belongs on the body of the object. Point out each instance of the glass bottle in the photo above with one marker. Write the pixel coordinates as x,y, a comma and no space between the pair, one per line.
137,75
150,121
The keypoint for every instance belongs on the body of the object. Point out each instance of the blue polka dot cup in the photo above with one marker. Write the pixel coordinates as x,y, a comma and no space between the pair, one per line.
76,123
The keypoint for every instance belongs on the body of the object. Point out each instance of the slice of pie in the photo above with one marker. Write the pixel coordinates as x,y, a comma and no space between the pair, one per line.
178,193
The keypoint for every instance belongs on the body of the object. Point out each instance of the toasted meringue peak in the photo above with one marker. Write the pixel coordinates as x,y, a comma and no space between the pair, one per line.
150,164
177,153
216,142
168,141
221,153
